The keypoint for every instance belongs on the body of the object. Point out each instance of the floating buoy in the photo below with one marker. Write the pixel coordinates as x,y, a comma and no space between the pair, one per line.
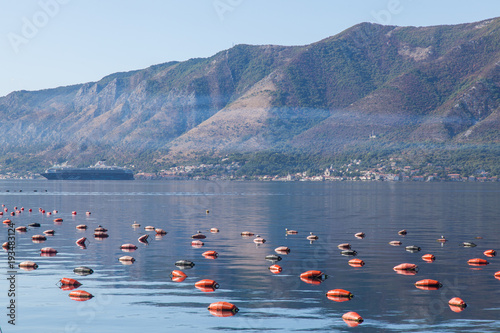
82,270
80,295
49,232
291,232
34,225
100,229
128,247
222,309
356,263
197,243
312,236
402,232
81,241
48,250
275,269
428,257
313,274
413,248
126,260
100,235
135,225
143,239
210,254
68,284
198,235
73,213
214,230
28,265
458,302
87,213
160,232
344,246
38,238
58,219
348,252
405,267
206,285
339,293
282,250
7,221
395,243
207,211
428,284
442,239
352,319
477,262
490,253
259,240
149,228
81,227
273,257
497,274
359,235
6,246
21,229
176,273
184,263
247,234
468,244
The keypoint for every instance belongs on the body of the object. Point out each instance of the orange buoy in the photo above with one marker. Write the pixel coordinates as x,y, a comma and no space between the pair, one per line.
405,267
259,240
80,295
81,227
21,229
178,276
356,263
198,235
126,260
69,282
344,246
291,232
149,228
100,229
339,293
352,319
48,250
428,257
395,243
81,241
223,307
5,246
210,254
282,250
458,302
49,232
206,285
247,234
428,284
160,231
7,221
38,238
312,236
214,230
58,219
497,274
442,239
402,232
73,213
28,265
128,247
490,253
143,239
275,269
313,274
359,235
197,243
477,262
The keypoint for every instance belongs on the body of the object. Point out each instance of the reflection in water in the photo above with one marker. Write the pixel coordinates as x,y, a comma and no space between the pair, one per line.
152,292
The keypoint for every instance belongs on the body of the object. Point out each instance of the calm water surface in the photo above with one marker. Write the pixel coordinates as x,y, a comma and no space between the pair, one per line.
142,297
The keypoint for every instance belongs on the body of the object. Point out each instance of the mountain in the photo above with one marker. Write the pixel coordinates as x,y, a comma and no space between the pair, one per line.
369,87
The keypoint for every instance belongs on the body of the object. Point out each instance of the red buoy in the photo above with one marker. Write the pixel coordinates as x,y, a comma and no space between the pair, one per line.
197,243
339,293
81,241
160,231
313,277
7,221
497,274
490,253
428,284
80,295
405,267
58,219
206,285
49,232
221,308
73,213
28,265
69,282
38,238
81,227
21,229
356,263
395,243
210,254
178,276
275,269
214,230
428,257
477,262
128,247
457,301
352,319
48,250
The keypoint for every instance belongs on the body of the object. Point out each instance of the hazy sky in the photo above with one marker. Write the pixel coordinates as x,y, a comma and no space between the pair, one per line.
50,43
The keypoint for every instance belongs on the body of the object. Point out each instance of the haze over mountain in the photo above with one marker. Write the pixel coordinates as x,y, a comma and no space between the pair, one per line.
371,84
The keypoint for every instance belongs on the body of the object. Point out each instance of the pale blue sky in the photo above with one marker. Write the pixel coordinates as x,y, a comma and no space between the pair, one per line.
50,43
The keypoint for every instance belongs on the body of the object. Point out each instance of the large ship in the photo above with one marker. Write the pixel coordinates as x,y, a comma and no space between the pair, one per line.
100,171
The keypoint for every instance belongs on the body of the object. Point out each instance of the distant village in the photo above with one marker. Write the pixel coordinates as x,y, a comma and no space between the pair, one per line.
349,172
